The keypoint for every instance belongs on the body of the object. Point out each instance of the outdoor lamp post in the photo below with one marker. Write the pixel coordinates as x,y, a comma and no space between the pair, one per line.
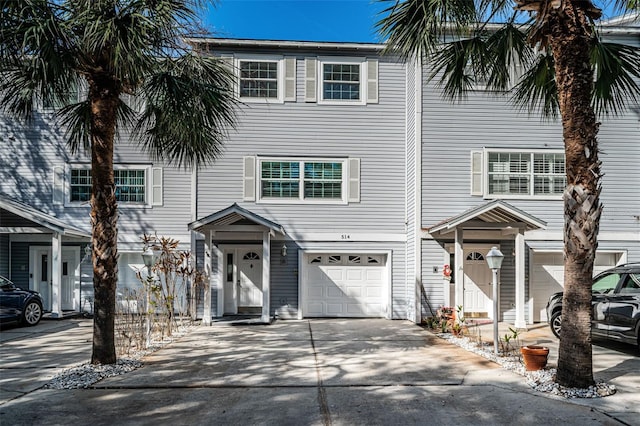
149,257
494,260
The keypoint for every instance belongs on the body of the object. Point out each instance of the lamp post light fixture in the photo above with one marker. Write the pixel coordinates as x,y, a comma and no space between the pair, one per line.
494,260
149,258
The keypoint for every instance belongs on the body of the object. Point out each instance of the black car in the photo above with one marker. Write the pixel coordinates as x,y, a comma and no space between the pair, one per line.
615,302
18,305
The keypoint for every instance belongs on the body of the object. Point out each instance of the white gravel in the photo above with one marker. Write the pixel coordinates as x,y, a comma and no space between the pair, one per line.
542,380
85,375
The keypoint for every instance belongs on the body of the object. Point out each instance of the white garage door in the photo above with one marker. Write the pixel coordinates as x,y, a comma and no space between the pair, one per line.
548,277
344,285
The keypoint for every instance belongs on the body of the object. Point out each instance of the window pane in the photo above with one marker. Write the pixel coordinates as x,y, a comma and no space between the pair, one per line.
341,81
280,179
80,185
323,180
130,186
509,173
549,171
258,79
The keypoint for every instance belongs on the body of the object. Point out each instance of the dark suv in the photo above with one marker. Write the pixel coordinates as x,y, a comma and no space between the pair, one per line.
615,303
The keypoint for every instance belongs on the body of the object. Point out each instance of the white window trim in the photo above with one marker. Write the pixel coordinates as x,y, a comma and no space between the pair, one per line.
531,195
261,58
148,169
346,61
301,200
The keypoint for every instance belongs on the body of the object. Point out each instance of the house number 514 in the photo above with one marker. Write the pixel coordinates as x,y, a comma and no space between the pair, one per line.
345,236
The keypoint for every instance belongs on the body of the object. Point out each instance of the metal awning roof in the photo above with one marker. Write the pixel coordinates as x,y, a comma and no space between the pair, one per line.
493,212
233,214
39,218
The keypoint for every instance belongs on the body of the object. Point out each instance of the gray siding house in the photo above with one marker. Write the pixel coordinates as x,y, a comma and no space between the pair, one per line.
345,189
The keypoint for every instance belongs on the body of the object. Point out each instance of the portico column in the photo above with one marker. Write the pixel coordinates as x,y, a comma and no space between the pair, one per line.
459,272
206,316
266,276
520,299
56,275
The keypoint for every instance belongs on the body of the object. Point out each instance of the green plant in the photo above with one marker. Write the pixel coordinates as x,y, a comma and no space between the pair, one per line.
507,339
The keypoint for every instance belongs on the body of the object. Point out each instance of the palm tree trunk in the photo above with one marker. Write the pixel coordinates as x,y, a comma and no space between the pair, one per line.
570,41
104,217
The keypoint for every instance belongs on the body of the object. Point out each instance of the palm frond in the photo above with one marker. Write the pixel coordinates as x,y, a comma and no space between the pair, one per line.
508,53
35,62
537,91
77,120
413,27
617,73
189,109
458,65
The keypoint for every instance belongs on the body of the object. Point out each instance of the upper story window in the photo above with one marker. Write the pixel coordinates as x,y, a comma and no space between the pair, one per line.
259,79
344,80
341,81
264,78
518,174
131,185
308,180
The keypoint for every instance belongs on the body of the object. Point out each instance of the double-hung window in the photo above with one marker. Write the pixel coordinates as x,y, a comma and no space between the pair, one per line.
341,82
259,79
317,180
130,183
265,78
524,174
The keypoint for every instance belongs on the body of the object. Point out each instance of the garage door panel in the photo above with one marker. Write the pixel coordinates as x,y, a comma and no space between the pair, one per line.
354,291
342,286
374,292
335,274
315,309
334,308
355,309
333,291
316,291
355,274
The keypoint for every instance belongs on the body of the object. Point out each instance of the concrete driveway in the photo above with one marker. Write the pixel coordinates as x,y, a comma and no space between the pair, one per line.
311,372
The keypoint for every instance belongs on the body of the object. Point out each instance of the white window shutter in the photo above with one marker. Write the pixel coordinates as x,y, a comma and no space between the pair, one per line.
310,77
249,183
477,173
228,62
372,81
354,181
290,79
58,185
156,187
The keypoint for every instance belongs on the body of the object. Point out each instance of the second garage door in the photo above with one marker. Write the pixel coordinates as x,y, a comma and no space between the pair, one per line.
344,285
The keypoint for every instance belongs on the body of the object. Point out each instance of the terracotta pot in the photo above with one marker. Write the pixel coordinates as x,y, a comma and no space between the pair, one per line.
535,357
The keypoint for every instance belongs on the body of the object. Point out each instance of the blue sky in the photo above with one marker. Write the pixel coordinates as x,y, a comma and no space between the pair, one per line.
308,20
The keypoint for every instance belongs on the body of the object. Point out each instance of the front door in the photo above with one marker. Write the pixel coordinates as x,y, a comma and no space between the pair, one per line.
477,283
243,280
43,281
249,279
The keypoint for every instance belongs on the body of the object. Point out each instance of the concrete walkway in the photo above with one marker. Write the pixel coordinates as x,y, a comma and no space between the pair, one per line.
311,372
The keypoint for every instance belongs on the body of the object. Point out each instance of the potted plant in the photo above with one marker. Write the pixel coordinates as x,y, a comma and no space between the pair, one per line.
535,357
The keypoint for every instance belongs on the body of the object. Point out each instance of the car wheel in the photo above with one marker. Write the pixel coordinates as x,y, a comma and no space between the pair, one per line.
32,313
555,323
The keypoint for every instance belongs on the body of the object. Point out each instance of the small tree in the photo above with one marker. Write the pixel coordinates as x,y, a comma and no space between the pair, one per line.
174,272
